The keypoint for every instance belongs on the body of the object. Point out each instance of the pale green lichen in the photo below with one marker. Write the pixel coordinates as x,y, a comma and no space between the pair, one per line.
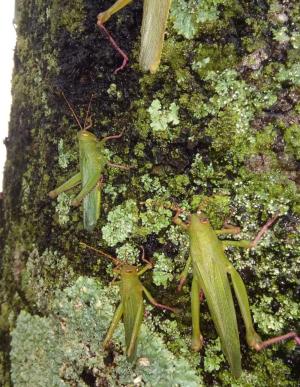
152,184
63,207
163,120
179,239
121,223
126,221
35,355
290,74
213,356
44,274
162,272
128,252
64,156
188,16
67,345
154,219
281,35
202,173
268,321
263,365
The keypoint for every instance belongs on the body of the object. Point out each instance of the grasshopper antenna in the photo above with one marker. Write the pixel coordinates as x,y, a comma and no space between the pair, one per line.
85,126
116,261
72,111
143,257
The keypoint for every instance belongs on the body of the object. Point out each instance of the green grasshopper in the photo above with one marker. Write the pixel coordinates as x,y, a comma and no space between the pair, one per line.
210,274
131,307
92,163
155,16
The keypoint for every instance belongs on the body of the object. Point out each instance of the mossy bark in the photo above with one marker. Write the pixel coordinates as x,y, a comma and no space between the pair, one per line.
216,126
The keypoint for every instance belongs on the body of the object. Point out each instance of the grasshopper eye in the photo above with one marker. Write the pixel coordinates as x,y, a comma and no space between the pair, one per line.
202,217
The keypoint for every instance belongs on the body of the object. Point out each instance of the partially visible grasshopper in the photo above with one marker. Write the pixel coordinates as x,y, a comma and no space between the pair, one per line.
155,16
92,163
210,275
131,307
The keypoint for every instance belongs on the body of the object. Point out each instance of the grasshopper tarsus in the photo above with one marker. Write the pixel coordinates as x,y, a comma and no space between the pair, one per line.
52,194
197,343
277,339
264,230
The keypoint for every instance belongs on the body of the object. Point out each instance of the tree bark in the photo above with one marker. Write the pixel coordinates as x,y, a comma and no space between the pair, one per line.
217,127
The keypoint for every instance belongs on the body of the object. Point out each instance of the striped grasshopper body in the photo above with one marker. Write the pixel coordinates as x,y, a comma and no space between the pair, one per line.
92,163
210,274
155,16
131,307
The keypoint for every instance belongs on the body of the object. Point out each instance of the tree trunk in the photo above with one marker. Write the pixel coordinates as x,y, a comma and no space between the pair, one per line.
217,127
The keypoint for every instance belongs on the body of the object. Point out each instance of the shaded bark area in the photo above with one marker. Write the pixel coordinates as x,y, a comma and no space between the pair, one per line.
216,127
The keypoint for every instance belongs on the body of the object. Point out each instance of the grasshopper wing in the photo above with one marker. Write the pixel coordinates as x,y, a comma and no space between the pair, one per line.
91,208
155,16
216,287
132,318
91,166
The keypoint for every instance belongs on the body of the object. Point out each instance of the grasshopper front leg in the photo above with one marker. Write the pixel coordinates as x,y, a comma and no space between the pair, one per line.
155,303
117,317
184,274
72,182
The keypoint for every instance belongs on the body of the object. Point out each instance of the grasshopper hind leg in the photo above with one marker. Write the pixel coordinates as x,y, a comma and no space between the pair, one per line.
113,325
88,186
72,182
253,339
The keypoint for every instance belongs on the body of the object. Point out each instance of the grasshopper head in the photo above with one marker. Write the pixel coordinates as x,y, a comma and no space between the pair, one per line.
202,217
126,270
84,135
198,222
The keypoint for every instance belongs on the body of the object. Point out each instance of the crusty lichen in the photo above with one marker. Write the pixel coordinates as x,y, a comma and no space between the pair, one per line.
62,348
